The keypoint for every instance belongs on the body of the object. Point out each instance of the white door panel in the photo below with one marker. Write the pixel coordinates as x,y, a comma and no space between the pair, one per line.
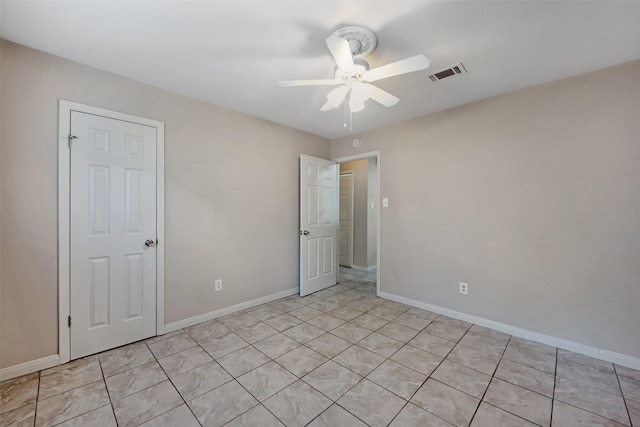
113,212
318,224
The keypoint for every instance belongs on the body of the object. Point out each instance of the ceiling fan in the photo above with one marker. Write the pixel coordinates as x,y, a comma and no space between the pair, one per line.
353,77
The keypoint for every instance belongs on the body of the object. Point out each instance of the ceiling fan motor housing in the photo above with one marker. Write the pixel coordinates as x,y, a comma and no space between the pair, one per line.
361,66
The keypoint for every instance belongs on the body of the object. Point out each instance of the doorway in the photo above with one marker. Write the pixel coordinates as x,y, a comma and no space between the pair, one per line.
345,229
111,228
365,172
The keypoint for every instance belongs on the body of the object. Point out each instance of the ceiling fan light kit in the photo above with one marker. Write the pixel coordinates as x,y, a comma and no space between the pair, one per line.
353,77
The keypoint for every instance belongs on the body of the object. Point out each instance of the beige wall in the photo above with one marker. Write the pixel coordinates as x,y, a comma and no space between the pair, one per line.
531,197
230,213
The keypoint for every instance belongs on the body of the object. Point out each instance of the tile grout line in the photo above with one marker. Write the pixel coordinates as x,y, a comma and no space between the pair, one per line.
328,360
490,380
35,410
334,402
234,378
501,357
520,386
172,385
428,376
553,397
601,391
624,399
441,362
76,388
104,380
345,409
243,387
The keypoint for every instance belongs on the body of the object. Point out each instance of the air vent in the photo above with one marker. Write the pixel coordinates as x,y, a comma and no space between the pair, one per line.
454,70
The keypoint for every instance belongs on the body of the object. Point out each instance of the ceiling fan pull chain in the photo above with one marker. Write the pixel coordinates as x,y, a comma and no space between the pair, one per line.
351,121
345,113
350,115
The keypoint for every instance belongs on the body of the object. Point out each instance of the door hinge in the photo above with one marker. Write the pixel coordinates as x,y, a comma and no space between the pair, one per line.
70,138
69,321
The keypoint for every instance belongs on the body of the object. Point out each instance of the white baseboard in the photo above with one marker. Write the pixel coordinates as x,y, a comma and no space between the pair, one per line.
360,268
29,367
606,355
180,324
54,360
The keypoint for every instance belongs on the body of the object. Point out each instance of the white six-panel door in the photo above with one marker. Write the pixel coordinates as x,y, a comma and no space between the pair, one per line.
113,213
318,224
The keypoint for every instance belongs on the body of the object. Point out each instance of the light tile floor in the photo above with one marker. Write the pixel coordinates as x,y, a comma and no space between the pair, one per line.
340,357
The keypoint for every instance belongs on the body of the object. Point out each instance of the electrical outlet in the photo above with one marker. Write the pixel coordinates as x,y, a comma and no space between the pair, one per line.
464,288
218,284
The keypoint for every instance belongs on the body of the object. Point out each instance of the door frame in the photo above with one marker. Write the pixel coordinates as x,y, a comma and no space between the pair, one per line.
360,156
352,231
64,216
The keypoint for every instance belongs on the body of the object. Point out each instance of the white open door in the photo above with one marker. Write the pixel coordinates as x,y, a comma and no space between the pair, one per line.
319,191
113,233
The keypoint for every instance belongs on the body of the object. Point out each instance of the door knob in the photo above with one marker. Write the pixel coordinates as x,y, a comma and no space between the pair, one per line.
305,232
150,242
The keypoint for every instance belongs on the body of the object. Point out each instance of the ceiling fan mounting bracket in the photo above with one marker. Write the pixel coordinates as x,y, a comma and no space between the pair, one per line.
362,41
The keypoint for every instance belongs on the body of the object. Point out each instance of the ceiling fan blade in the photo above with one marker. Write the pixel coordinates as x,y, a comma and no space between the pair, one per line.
409,65
327,106
317,82
336,96
383,97
341,52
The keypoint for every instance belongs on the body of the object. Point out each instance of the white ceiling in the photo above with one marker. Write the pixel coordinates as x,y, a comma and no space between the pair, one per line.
232,53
